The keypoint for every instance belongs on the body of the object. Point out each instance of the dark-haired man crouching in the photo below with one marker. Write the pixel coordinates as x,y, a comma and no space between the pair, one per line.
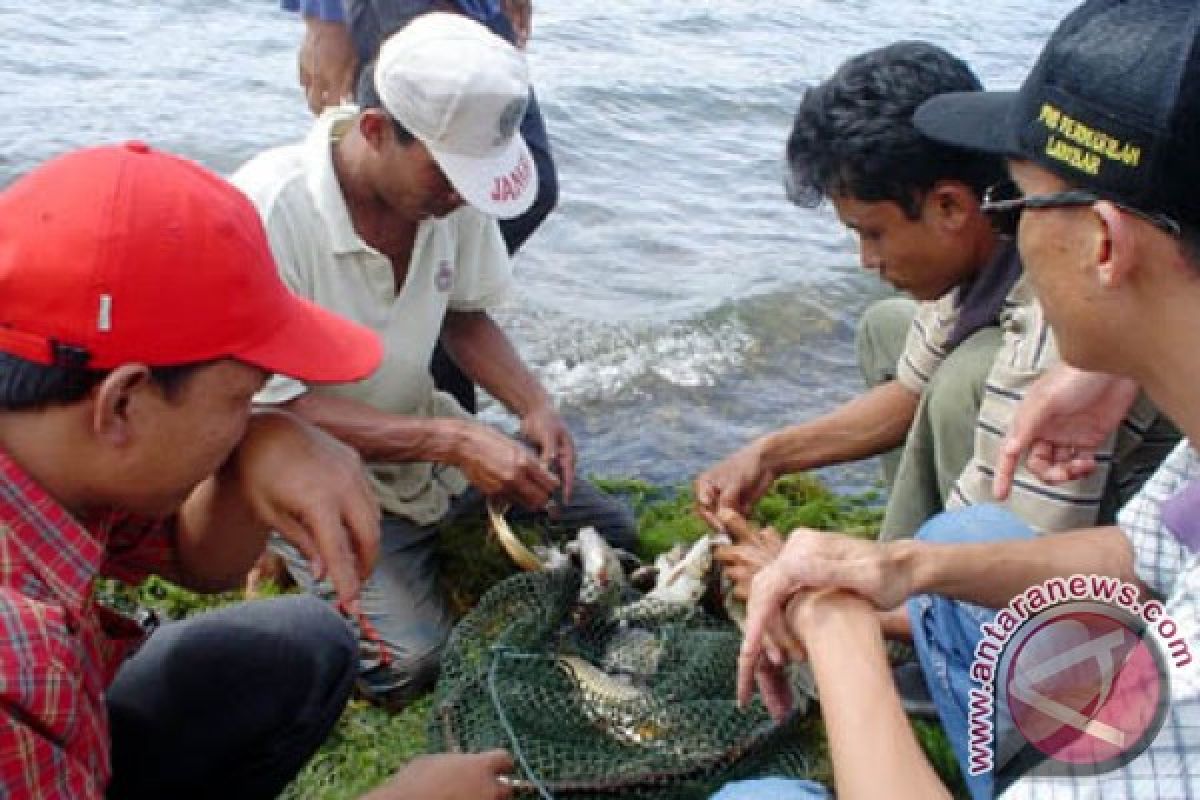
947,363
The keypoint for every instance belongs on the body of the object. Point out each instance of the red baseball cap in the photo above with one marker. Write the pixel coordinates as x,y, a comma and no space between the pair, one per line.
120,254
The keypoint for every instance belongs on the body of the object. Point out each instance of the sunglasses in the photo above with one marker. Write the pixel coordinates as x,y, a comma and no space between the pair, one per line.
1005,201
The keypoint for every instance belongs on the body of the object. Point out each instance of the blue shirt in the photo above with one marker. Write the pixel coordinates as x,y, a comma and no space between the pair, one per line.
328,10
334,11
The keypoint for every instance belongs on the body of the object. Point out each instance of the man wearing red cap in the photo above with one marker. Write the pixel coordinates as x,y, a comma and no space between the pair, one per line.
140,310
387,214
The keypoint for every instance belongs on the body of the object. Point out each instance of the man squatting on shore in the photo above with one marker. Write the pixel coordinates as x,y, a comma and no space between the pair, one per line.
386,214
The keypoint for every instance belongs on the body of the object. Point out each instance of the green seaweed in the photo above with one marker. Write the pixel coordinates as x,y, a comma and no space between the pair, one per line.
369,743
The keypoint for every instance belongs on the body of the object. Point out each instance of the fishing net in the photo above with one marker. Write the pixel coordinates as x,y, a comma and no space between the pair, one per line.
612,697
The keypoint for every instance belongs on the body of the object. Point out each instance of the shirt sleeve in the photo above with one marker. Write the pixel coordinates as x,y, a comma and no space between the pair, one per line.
925,347
40,693
484,278
1159,558
328,10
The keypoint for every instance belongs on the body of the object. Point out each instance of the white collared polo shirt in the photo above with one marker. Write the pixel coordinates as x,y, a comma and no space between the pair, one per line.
458,263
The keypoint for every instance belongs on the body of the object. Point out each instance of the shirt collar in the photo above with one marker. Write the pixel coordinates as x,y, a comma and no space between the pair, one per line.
55,546
981,300
322,181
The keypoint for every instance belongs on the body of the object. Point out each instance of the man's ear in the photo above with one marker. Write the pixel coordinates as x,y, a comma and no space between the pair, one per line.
1115,250
375,126
115,402
951,204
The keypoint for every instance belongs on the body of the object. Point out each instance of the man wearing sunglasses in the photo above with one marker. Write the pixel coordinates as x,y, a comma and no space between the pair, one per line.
1101,142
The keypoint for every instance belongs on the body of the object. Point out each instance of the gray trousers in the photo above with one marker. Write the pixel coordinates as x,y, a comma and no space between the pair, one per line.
405,621
942,437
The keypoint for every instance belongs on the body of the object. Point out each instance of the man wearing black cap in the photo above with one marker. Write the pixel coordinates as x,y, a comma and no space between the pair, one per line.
1102,143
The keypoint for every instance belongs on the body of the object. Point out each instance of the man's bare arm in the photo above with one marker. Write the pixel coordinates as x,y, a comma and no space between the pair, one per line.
990,574
872,423
493,463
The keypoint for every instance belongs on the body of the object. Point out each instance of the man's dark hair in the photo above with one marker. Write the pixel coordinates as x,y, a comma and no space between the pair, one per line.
366,96
26,385
853,133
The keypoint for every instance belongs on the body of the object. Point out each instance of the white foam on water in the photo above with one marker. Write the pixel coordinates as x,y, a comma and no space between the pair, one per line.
582,367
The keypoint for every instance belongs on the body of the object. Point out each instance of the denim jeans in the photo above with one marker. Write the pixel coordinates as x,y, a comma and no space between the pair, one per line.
946,632
772,789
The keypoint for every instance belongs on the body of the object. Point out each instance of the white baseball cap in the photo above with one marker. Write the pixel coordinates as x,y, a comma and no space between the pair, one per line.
462,91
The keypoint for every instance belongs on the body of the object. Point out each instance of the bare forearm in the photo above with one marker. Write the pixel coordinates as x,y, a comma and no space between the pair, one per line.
378,435
874,751
872,423
484,353
219,535
992,573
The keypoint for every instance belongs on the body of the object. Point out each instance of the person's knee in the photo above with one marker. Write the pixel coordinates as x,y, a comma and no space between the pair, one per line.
321,630
953,402
406,668
955,392
880,335
978,523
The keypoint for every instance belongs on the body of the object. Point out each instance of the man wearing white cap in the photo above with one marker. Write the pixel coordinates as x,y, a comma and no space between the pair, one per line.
386,214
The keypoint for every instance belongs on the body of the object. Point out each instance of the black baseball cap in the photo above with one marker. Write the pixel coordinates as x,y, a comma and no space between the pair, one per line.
1112,105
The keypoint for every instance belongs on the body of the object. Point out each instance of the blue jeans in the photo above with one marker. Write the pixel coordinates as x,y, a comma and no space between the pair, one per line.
772,789
945,633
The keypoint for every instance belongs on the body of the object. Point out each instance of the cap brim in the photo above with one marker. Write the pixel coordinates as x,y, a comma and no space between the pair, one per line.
316,346
502,184
979,121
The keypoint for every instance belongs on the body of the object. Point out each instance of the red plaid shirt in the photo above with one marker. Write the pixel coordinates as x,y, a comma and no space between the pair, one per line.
60,650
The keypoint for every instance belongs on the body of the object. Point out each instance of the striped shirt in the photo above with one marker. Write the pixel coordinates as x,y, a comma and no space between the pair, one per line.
1170,766
1027,349
60,649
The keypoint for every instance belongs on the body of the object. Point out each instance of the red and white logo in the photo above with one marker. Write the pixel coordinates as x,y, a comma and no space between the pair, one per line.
507,188
1086,685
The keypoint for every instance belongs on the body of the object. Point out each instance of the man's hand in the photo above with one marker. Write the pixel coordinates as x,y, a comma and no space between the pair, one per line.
752,549
311,488
736,483
449,776
764,667
520,15
500,467
1066,415
813,560
544,427
327,61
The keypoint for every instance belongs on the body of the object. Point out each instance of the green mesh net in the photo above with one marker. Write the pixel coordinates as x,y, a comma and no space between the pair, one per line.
609,698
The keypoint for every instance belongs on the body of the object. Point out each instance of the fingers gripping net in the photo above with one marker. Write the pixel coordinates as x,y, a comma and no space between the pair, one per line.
613,698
